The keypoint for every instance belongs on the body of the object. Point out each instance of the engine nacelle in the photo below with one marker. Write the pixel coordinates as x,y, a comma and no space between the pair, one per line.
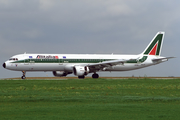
59,73
80,70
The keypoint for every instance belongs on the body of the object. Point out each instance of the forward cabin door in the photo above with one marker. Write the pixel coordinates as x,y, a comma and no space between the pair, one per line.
26,59
61,60
29,62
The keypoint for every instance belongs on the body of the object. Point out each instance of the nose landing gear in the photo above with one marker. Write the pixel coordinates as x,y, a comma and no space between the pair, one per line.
24,75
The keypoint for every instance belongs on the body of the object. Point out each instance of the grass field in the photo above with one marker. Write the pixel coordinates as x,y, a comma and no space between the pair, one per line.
97,99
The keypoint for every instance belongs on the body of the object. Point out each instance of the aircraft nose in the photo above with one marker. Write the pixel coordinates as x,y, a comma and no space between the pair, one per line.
4,65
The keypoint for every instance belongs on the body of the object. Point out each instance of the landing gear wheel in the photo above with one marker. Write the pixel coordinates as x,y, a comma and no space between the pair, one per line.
24,75
95,75
81,77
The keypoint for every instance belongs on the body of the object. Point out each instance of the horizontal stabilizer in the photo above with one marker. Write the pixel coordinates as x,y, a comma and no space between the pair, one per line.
162,59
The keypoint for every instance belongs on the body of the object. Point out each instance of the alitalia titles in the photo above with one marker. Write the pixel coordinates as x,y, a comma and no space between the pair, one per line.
46,57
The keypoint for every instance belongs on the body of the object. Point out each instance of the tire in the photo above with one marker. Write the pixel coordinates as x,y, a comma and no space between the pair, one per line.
81,77
95,76
23,77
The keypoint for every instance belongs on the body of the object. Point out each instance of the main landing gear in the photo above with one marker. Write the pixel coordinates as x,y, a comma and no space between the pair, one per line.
81,77
95,75
24,75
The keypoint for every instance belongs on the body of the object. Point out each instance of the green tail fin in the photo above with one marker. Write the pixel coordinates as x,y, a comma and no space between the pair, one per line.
155,46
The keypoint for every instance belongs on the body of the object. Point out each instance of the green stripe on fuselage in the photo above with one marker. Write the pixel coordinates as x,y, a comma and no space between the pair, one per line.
74,60
138,61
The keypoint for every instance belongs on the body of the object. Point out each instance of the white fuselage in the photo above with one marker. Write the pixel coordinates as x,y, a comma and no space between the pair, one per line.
65,62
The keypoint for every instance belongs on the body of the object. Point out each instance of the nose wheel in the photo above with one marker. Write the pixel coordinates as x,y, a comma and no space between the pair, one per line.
24,75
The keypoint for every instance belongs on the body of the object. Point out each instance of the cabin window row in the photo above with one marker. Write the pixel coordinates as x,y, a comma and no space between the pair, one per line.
15,59
70,60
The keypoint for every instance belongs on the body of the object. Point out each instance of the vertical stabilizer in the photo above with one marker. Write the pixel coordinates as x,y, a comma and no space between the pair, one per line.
155,46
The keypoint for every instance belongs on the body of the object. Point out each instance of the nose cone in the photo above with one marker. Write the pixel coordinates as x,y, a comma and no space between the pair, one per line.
4,65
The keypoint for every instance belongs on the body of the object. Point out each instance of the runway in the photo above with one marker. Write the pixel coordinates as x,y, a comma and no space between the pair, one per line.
67,78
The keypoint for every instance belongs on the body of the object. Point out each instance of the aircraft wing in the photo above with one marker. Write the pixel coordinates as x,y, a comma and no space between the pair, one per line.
162,59
101,65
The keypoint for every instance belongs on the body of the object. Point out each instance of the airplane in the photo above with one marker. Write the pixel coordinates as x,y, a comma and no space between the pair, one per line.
83,64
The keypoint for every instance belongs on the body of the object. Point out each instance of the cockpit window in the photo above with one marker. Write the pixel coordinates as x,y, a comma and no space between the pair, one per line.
14,59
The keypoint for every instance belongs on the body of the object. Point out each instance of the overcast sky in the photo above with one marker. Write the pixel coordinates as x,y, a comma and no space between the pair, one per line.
89,26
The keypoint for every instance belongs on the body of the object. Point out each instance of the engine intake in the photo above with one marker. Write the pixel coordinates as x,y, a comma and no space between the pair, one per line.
80,70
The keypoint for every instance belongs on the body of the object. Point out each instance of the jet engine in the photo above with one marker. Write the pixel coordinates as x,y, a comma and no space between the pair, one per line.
59,73
80,70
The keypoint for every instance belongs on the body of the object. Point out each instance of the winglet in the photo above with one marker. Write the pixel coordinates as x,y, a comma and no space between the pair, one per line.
155,46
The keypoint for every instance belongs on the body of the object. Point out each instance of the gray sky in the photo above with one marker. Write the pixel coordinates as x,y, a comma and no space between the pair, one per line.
89,26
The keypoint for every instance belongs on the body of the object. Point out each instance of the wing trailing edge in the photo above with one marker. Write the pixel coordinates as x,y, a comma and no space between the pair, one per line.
101,65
